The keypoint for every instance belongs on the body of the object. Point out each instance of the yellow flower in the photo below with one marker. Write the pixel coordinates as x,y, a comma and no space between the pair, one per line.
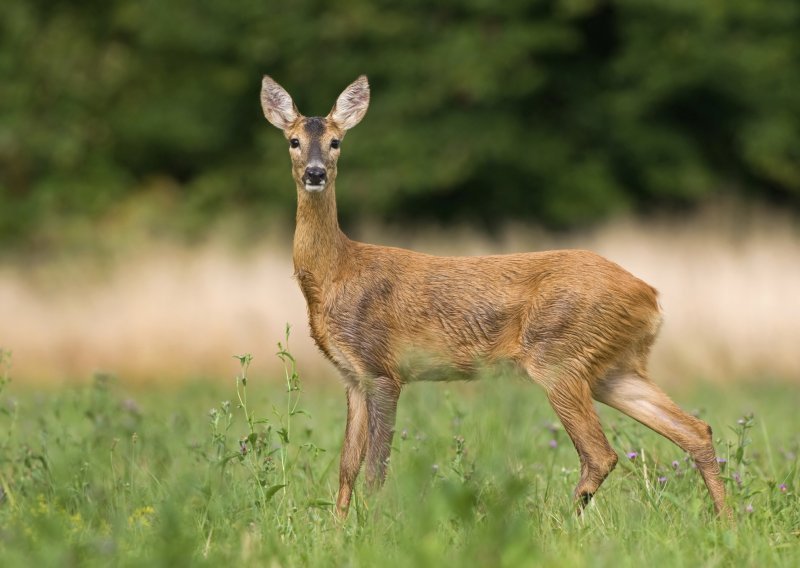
141,517
76,522
42,506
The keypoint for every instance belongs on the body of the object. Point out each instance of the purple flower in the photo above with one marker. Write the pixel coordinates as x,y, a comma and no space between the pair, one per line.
749,508
553,444
632,455
676,464
783,488
737,478
722,461
662,480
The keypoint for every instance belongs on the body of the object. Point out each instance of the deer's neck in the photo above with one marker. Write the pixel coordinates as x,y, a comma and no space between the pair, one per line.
318,241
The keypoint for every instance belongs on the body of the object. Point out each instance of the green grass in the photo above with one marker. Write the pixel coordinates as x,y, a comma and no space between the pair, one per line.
104,475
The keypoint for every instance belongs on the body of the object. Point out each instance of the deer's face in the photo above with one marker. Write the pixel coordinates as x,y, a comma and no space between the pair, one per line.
314,142
314,148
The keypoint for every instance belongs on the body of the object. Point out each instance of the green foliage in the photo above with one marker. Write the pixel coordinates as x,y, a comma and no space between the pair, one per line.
557,111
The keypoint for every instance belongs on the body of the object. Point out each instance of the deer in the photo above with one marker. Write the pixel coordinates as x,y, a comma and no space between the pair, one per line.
573,322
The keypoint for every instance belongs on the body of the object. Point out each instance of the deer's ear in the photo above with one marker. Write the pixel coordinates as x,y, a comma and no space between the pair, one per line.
351,106
277,104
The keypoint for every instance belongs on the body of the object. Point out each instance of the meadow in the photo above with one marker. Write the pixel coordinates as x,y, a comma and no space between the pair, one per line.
244,471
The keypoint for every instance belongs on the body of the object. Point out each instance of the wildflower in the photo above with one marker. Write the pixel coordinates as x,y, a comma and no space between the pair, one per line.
404,435
740,422
243,446
76,523
676,464
43,507
737,478
749,508
141,517
783,488
435,468
662,480
553,444
722,461
632,455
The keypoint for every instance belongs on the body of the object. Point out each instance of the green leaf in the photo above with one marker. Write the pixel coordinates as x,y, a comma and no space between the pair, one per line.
273,490
284,435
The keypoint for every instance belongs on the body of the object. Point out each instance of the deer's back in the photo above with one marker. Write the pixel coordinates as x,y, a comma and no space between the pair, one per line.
416,316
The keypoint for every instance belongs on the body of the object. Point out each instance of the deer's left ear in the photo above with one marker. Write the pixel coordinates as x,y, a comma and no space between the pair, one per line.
351,106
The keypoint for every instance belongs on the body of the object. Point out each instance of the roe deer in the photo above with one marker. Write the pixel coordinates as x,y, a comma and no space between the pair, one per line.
575,323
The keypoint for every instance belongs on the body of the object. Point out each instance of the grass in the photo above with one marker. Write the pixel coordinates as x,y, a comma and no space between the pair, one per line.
480,476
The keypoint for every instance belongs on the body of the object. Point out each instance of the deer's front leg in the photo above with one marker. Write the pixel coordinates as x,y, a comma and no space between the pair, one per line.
353,448
382,398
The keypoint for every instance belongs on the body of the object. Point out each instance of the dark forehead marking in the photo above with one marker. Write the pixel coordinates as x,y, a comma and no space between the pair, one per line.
314,126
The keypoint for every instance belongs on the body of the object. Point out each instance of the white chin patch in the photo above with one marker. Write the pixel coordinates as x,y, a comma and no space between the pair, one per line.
314,188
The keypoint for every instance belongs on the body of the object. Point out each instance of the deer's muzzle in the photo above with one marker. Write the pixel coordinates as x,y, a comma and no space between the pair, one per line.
314,178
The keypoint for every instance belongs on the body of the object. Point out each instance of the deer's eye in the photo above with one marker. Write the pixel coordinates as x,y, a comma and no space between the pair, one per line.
294,143
334,143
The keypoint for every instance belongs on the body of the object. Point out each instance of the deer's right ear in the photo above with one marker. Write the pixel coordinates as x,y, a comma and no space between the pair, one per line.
277,104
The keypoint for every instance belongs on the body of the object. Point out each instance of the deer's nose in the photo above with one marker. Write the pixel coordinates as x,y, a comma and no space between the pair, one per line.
315,175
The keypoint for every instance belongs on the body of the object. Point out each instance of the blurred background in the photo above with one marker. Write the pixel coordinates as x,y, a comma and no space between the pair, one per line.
146,207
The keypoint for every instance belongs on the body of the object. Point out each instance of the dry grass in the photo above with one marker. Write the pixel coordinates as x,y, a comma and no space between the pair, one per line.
730,288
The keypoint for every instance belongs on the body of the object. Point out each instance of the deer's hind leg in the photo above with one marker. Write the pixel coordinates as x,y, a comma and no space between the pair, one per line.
634,394
571,399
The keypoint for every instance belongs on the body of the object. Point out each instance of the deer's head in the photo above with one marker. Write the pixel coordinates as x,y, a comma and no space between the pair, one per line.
314,142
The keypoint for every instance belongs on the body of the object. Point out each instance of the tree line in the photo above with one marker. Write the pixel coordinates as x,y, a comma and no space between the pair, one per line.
557,112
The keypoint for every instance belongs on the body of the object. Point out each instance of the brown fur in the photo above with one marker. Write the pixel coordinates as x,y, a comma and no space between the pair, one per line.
574,322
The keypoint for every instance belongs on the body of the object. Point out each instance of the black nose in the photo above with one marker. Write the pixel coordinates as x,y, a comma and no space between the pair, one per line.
315,176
